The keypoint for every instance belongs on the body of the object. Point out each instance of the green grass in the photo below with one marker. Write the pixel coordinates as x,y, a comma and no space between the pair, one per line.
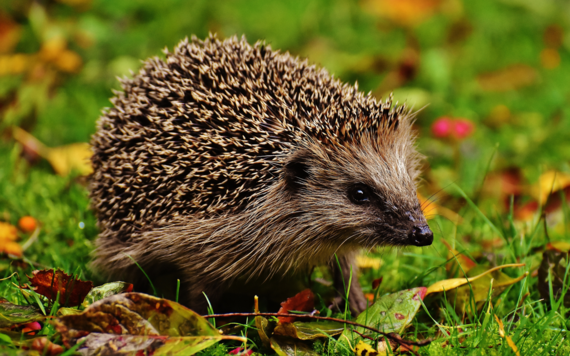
446,56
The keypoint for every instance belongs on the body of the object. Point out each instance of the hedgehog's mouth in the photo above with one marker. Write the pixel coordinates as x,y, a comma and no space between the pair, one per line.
420,235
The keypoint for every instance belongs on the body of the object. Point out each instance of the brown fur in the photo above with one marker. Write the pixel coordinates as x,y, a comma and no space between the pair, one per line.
228,161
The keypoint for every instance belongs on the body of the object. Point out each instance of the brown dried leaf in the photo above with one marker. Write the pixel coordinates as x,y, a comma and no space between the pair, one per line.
134,323
511,78
10,33
72,291
302,301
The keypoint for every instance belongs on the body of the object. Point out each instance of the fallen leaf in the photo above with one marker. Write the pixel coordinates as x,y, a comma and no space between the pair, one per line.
506,337
549,58
511,78
71,291
302,301
431,210
73,157
478,290
15,63
63,159
8,232
367,262
10,33
390,313
286,346
452,283
362,348
458,261
526,212
561,246
138,323
12,315
309,330
68,61
403,12
376,283
52,48
8,236
106,290
549,182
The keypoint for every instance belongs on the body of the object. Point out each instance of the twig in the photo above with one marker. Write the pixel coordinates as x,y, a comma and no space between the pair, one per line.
31,239
392,336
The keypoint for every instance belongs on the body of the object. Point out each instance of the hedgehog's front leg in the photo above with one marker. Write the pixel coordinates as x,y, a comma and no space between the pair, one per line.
356,300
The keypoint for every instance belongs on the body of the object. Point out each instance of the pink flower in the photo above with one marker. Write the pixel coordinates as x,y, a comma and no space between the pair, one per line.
463,128
240,351
442,127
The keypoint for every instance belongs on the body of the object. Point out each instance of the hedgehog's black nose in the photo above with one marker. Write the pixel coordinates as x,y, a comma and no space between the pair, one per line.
420,236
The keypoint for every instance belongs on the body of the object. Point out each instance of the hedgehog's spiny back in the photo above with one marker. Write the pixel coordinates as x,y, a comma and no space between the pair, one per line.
201,132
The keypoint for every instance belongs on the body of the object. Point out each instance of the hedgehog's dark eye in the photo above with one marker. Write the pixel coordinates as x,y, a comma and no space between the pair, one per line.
360,194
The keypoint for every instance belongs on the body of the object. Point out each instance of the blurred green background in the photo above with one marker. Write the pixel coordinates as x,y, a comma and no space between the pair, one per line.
502,66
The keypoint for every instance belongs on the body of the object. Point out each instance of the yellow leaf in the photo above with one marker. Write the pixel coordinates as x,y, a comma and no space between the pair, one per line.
453,283
561,246
457,261
8,236
549,58
68,61
365,262
65,159
507,337
52,48
14,64
548,182
431,210
8,232
362,349
11,248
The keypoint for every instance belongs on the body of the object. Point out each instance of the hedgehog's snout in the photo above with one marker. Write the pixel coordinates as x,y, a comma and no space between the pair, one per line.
420,236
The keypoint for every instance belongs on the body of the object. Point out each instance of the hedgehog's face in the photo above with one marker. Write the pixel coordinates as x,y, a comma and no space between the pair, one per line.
357,196
389,223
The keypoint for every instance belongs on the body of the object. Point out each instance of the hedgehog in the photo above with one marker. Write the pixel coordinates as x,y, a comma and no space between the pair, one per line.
227,162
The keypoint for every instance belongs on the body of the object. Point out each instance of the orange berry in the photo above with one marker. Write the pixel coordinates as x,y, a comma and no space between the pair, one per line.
27,224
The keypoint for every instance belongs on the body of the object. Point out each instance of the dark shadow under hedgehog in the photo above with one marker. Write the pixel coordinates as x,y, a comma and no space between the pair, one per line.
228,162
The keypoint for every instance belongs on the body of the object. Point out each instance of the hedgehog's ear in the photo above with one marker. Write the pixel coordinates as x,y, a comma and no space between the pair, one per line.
295,171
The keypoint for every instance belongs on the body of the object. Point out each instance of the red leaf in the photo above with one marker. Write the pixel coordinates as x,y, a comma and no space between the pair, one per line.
376,283
71,291
302,301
